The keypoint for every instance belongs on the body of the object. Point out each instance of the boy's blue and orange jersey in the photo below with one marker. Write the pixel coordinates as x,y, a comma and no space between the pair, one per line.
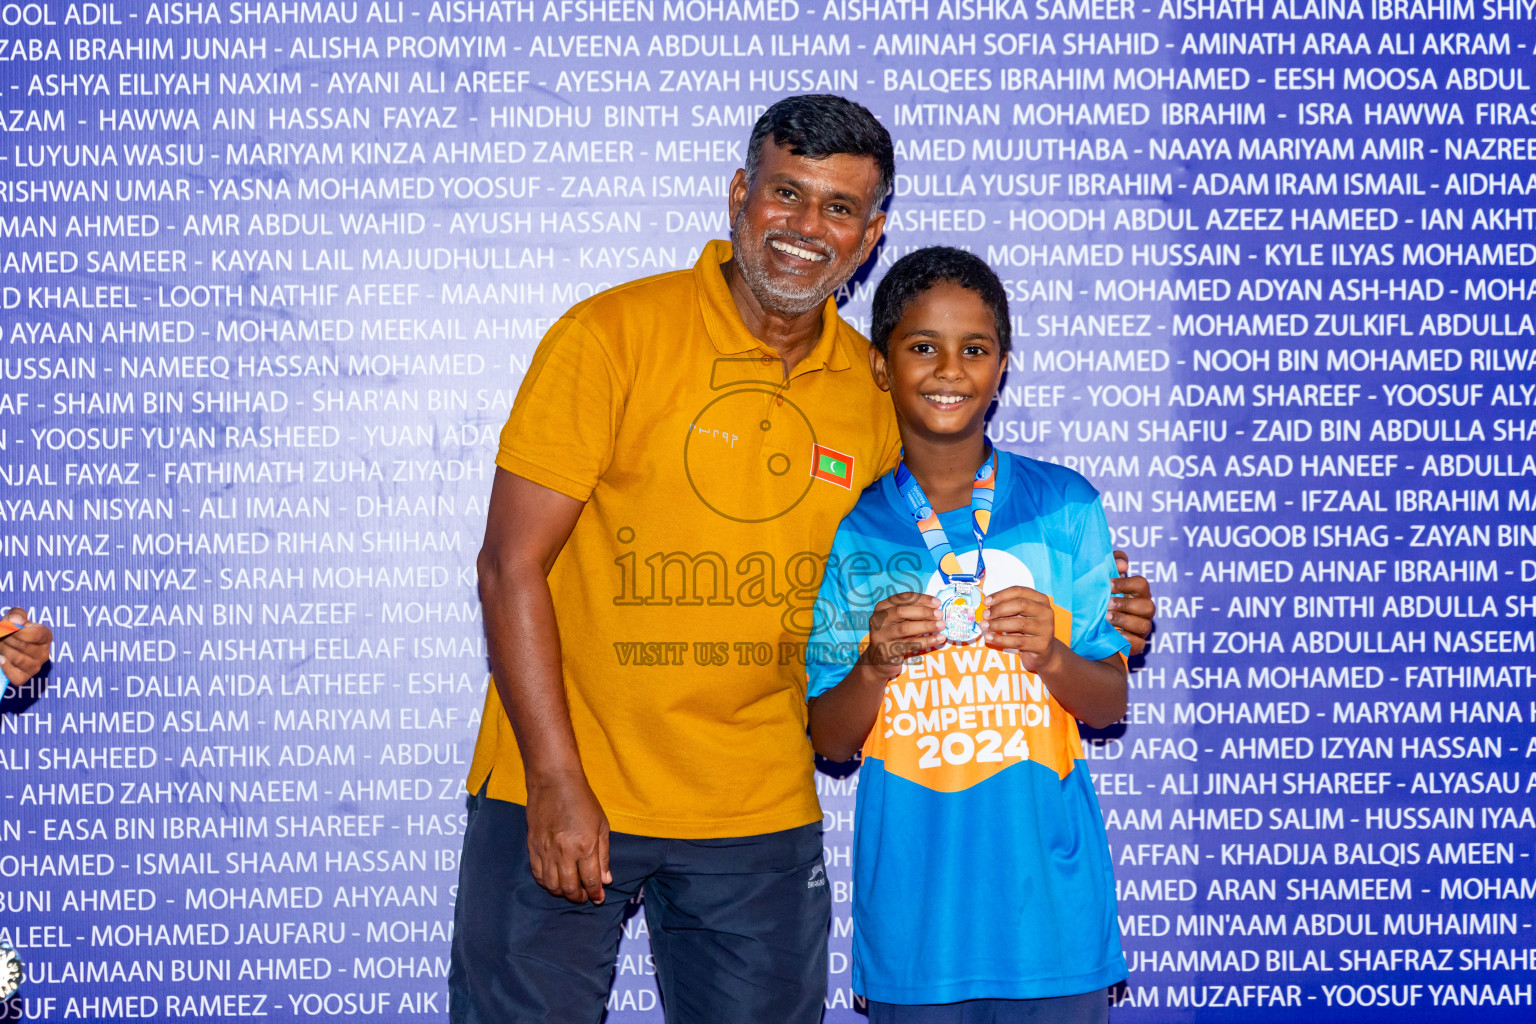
981,866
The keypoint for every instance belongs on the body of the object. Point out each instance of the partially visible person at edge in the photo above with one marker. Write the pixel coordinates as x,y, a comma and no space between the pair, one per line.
669,480
24,650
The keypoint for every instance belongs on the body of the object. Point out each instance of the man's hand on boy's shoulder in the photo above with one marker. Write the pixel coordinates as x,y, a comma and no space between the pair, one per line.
1131,607
900,626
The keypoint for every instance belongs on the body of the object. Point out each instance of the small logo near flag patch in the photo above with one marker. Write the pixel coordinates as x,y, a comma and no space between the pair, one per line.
832,466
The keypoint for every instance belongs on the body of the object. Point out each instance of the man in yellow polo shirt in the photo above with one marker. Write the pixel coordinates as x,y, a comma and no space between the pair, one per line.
669,481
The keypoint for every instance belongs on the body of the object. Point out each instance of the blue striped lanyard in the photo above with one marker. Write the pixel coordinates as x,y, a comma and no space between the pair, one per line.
982,493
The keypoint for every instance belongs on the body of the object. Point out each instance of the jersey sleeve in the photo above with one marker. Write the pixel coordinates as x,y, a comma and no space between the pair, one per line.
1093,566
564,423
837,631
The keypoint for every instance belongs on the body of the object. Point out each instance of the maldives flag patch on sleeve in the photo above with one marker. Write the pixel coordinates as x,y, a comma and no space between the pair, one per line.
832,466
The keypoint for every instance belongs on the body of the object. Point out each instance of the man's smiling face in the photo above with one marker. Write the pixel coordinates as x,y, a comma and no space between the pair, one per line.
802,226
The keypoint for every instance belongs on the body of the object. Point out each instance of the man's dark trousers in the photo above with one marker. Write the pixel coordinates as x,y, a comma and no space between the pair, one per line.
738,928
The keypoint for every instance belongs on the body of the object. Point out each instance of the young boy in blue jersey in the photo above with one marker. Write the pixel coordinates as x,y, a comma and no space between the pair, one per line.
961,631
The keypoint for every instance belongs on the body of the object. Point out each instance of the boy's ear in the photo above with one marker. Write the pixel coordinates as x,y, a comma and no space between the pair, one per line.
877,369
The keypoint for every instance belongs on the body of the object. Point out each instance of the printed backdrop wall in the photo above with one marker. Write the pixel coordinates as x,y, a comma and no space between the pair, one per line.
271,273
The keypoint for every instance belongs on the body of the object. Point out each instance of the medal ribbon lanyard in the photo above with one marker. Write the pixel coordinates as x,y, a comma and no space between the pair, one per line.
927,519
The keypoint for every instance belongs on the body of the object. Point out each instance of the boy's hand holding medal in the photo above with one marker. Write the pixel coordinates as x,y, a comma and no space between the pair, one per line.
1023,620
900,626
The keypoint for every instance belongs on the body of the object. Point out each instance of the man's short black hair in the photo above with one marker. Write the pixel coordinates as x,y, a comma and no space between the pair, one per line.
819,126
916,272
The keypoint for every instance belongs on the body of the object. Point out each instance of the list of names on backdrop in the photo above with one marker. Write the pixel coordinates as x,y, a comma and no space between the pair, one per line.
271,274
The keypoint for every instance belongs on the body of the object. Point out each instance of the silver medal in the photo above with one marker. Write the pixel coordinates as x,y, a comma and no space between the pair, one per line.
960,607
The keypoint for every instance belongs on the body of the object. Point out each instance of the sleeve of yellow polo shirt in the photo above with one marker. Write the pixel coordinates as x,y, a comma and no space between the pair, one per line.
563,424
892,449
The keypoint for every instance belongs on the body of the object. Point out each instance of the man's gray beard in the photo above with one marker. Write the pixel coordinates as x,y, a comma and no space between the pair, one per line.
770,293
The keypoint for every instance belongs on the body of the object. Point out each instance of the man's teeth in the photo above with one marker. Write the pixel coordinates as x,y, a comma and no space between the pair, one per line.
795,250
946,399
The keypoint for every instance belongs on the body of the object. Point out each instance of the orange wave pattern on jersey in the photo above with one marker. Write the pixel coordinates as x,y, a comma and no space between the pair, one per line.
957,716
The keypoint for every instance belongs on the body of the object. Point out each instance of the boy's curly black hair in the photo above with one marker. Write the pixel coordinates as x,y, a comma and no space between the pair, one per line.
919,271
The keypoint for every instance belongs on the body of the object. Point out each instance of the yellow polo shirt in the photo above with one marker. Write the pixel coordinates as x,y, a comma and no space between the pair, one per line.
713,486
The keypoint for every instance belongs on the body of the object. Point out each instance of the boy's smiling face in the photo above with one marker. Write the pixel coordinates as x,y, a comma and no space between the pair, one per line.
944,365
